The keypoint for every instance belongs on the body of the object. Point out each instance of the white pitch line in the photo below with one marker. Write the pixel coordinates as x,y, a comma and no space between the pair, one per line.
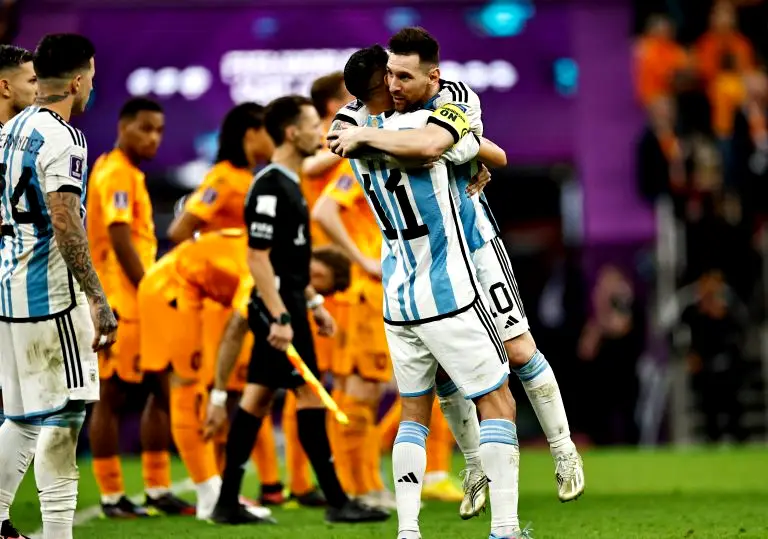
90,513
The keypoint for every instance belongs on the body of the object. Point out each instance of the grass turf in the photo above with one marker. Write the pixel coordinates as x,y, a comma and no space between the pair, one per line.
692,494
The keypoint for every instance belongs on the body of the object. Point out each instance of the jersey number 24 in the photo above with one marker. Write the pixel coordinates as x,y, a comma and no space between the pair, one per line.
394,184
24,187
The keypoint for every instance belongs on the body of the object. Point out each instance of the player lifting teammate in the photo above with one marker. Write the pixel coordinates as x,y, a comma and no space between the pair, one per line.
121,233
54,313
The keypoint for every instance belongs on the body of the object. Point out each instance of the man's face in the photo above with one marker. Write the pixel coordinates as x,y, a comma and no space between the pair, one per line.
409,80
723,18
321,277
83,88
22,83
143,133
307,134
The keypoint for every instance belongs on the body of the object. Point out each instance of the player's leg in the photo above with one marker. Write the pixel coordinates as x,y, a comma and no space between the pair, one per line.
312,424
17,440
529,364
438,482
300,482
414,367
475,360
118,367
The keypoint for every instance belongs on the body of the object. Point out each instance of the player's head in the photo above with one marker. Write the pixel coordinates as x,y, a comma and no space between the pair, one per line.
65,69
294,120
140,127
413,71
18,82
365,76
243,139
329,94
329,271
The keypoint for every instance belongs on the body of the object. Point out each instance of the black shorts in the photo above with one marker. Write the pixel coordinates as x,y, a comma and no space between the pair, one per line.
268,366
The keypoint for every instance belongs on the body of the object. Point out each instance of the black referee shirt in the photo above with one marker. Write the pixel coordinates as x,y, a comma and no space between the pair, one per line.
277,218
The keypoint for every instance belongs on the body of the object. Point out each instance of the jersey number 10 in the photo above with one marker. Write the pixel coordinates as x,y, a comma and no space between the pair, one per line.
34,215
394,184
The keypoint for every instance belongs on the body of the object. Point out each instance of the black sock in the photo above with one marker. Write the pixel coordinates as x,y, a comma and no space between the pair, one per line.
242,436
314,439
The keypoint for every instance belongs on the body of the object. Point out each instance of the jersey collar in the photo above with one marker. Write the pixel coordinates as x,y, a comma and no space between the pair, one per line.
288,172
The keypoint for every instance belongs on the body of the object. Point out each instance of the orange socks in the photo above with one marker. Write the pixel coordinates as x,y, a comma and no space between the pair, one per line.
372,470
352,456
156,470
264,454
109,478
187,428
439,443
296,461
389,425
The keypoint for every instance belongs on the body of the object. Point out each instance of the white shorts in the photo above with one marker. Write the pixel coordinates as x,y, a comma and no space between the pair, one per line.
47,364
494,271
465,345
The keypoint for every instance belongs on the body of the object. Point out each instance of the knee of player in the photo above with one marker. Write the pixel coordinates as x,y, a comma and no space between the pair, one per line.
520,350
256,400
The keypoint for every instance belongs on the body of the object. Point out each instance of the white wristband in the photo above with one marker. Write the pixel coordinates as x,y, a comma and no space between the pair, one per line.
219,398
315,302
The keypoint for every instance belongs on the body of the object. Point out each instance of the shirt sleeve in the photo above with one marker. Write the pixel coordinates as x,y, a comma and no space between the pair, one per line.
463,151
343,188
208,199
63,162
243,296
451,118
462,96
262,213
117,197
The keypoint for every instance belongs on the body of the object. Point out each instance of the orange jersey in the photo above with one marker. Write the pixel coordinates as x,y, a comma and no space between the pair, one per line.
361,225
314,187
220,200
117,193
656,62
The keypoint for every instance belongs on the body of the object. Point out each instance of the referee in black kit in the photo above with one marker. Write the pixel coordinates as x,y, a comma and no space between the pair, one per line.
277,218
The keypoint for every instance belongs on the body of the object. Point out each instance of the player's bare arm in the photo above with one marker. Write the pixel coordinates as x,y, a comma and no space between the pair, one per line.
491,154
184,227
327,214
72,242
319,163
120,237
326,325
280,335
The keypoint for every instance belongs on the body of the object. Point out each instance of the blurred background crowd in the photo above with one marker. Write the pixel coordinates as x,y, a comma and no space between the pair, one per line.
634,206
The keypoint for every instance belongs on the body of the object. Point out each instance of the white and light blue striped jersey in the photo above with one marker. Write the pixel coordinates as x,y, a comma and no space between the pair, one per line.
40,153
426,267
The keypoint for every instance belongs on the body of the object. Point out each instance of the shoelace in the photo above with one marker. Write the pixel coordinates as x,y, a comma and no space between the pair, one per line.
467,476
527,532
566,467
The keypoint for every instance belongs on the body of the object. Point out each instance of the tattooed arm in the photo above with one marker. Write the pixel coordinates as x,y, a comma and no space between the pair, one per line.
64,209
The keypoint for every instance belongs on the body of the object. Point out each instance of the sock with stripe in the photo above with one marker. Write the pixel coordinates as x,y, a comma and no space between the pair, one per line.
461,415
409,463
501,462
17,448
540,385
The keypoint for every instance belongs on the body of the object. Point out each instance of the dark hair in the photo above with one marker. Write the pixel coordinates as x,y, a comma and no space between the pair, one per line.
339,264
61,55
415,40
324,89
134,106
12,57
281,113
360,69
236,123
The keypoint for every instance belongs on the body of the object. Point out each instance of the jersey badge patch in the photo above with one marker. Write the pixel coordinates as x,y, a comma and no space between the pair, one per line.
344,183
266,205
76,167
121,200
209,196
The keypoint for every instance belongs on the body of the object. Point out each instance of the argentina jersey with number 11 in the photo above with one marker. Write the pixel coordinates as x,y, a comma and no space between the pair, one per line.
426,269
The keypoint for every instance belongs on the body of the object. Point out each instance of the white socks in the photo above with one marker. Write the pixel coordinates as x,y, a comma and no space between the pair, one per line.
207,496
540,385
17,448
56,475
501,462
461,416
409,462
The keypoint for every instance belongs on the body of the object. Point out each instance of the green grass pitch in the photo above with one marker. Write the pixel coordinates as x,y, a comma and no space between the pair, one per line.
691,494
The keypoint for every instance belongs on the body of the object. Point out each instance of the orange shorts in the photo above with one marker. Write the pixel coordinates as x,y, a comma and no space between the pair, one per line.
215,318
123,358
170,338
367,351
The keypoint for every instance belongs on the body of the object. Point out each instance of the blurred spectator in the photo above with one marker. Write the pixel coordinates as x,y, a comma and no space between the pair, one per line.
715,323
611,343
660,158
9,21
722,40
659,60
749,146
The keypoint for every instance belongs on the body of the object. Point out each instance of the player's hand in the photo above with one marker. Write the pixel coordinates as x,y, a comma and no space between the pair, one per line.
346,141
326,325
215,419
372,267
104,322
280,336
479,181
